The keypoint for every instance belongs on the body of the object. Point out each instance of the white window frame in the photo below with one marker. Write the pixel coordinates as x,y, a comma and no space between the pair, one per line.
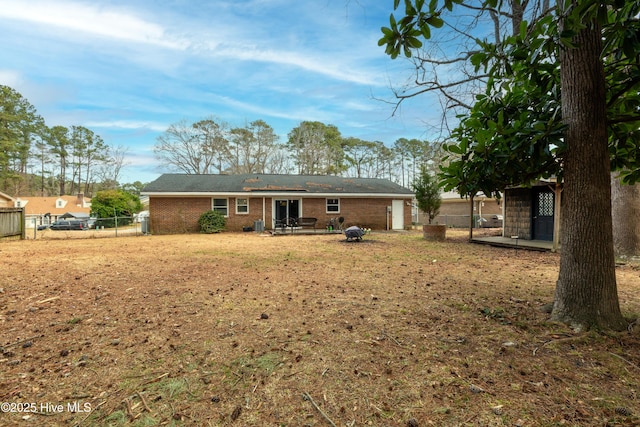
332,204
216,208
238,205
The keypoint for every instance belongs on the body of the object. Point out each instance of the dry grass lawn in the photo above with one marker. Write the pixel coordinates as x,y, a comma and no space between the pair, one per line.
249,330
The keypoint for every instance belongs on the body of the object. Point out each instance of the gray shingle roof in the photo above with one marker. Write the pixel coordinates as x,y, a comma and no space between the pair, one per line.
262,183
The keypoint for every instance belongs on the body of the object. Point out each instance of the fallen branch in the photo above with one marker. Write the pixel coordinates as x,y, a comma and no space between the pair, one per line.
306,396
556,340
128,407
2,347
47,300
264,335
156,379
144,402
384,334
625,360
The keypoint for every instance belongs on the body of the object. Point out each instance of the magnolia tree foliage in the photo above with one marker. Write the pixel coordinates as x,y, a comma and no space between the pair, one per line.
523,127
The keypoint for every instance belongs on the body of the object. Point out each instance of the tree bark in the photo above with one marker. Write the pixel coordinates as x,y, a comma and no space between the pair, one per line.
586,292
625,213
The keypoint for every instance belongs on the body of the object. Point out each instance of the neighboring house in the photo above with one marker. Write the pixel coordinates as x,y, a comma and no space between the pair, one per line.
176,201
6,201
83,216
45,210
455,211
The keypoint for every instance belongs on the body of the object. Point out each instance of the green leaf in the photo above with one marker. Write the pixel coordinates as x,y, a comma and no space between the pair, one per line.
448,4
425,31
414,42
387,31
435,21
478,58
393,23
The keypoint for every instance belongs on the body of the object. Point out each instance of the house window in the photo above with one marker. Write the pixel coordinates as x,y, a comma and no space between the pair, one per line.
242,206
333,205
222,206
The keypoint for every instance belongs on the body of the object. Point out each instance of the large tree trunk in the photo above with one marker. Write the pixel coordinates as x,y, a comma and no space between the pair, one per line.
625,213
586,291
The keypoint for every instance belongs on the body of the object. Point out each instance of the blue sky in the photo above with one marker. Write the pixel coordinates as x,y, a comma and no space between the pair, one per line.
128,69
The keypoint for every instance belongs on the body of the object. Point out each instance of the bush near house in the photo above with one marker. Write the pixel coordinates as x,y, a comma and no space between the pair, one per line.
211,222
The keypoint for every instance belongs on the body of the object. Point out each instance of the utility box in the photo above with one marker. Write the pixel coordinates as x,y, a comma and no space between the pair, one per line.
258,226
144,225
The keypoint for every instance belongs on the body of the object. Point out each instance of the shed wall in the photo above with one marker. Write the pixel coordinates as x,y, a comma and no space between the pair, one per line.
517,218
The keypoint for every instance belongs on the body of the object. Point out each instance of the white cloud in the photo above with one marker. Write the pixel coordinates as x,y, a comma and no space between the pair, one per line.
10,78
185,34
125,124
91,19
333,67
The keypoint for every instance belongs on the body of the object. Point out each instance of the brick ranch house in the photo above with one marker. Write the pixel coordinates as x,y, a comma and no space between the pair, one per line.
176,201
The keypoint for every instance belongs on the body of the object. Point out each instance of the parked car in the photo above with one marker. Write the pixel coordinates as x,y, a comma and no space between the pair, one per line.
493,221
43,227
69,225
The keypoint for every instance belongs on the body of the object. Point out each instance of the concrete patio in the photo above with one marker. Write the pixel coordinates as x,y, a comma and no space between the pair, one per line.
508,242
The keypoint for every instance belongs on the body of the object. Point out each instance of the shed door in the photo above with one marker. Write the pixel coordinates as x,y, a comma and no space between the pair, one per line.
543,202
397,215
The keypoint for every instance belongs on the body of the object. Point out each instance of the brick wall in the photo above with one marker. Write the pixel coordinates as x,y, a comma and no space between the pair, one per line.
236,221
176,215
371,213
171,215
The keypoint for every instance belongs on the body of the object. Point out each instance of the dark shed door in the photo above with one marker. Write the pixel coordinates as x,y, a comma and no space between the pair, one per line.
543,202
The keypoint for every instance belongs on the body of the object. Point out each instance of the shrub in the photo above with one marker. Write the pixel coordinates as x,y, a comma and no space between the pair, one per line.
211,222
110,203
427,194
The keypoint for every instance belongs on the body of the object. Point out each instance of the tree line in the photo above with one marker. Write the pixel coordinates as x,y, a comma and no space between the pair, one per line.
312,148
36,159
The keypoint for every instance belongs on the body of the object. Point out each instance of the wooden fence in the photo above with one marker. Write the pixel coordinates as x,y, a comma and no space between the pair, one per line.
12,223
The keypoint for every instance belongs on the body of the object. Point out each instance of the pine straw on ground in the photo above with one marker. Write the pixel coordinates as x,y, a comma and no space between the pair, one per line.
248,330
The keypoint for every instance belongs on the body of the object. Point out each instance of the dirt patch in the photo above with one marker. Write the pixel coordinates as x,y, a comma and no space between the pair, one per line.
241,329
